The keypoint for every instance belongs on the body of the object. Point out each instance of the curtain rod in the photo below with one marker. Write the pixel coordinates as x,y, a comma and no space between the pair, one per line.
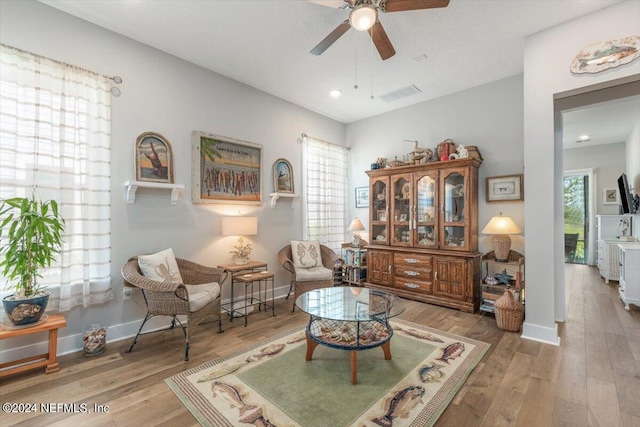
304,137
116,79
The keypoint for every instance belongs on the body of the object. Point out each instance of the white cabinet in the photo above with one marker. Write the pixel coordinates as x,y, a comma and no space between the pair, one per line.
608,260
629,289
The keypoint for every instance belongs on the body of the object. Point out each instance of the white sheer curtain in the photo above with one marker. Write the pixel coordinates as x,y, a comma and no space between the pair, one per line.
55,140
325,196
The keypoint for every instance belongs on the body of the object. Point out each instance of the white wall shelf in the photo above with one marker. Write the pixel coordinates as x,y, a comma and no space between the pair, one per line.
132,187
276,196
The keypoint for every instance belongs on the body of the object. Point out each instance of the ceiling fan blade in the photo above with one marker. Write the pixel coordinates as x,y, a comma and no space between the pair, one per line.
335,4
331,38
402,5
382,42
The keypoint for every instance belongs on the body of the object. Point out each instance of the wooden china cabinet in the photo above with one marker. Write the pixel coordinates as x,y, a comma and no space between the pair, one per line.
424,232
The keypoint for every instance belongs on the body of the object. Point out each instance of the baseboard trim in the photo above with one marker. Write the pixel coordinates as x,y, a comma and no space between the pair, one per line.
541,334
73,343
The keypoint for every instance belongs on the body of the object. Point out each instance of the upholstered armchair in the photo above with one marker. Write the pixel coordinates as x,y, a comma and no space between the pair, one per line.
194,293
308,270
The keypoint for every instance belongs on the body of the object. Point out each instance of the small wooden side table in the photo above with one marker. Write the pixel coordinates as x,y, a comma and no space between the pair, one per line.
50,362
259,277
234,269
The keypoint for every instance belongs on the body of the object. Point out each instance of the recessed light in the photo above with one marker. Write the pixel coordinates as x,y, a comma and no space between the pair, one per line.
335,93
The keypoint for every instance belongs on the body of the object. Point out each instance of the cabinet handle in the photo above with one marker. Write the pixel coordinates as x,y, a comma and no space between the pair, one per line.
411,273
411,260
435,274
389,269
411,285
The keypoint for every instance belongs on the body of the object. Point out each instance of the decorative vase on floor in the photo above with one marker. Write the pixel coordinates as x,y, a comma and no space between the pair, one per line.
26,310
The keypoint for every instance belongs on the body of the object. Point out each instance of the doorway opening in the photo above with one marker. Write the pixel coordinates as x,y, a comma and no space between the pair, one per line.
576,217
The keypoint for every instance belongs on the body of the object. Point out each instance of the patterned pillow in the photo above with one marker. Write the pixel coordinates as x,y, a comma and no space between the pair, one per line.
306,254
161,266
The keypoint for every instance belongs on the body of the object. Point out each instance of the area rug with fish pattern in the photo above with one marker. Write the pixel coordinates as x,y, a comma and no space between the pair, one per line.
271,384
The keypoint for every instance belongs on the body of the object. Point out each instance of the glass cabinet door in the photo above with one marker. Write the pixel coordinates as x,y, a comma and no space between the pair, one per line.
455,210
379,211
425,210
401,204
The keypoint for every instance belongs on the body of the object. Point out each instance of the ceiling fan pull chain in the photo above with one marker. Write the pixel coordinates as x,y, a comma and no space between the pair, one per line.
355,62
371,61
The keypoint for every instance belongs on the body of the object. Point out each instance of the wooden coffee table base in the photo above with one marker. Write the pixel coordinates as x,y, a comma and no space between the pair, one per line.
312,344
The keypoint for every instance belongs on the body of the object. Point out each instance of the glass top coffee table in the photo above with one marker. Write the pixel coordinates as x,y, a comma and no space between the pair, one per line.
349,318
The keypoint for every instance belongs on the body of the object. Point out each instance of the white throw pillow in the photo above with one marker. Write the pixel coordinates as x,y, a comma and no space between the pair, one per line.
161,266
306,254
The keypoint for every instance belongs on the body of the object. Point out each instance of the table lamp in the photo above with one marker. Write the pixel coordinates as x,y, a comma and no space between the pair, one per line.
356,225
240,226
501,226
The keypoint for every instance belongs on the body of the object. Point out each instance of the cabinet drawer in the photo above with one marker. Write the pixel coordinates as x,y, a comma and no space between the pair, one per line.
413,285
412,262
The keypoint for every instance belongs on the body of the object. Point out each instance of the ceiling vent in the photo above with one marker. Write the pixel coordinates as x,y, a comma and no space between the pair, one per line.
400,93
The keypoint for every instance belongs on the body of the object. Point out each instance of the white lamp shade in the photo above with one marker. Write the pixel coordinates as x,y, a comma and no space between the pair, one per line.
501,225
363,17
239,225
356,225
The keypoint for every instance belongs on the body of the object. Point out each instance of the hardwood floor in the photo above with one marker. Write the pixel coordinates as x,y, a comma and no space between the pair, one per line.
592,379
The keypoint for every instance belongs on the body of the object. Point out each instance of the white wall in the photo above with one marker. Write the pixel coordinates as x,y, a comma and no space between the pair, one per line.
547,57
489,117
163,94
608,162
633,171
633,158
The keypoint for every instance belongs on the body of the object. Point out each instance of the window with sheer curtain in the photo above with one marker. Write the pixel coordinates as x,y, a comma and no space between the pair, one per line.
325,182
55,141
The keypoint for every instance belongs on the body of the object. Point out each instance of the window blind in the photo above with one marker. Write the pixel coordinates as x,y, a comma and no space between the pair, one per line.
325,192
55,141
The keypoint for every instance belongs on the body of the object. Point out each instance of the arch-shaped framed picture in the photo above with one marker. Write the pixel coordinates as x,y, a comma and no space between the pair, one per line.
154,158
282,176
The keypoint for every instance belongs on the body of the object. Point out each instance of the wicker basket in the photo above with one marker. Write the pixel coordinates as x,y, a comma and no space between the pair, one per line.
509,312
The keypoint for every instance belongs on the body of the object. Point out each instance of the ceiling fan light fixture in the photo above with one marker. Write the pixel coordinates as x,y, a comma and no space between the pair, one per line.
363,16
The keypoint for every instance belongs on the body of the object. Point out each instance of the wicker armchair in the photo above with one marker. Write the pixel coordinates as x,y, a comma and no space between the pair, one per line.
301,282
173,298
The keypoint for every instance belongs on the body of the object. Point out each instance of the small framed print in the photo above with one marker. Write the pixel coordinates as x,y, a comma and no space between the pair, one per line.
610,196
382,215
362,197
505,188
282,176
154,158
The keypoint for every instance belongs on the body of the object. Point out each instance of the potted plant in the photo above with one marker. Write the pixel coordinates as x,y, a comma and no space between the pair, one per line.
30,239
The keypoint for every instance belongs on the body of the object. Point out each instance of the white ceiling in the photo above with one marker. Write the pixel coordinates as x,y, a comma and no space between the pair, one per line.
265,44
605,123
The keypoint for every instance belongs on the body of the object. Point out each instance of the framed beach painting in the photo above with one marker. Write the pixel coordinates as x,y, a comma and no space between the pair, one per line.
225,170
505,188
282,176
153,158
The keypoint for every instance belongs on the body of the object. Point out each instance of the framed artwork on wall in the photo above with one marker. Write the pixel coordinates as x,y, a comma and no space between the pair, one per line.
282,176
225,170
153,158
610,196
362,197
505,188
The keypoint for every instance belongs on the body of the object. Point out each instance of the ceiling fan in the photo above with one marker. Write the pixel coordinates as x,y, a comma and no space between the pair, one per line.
364,17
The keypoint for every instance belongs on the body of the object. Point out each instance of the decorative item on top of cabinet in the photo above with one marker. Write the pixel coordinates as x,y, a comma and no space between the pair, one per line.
424,246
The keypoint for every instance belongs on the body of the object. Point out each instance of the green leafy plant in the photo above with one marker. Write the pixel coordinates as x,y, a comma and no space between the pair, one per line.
32,241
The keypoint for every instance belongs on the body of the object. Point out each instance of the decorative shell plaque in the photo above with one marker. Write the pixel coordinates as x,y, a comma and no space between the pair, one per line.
604,55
